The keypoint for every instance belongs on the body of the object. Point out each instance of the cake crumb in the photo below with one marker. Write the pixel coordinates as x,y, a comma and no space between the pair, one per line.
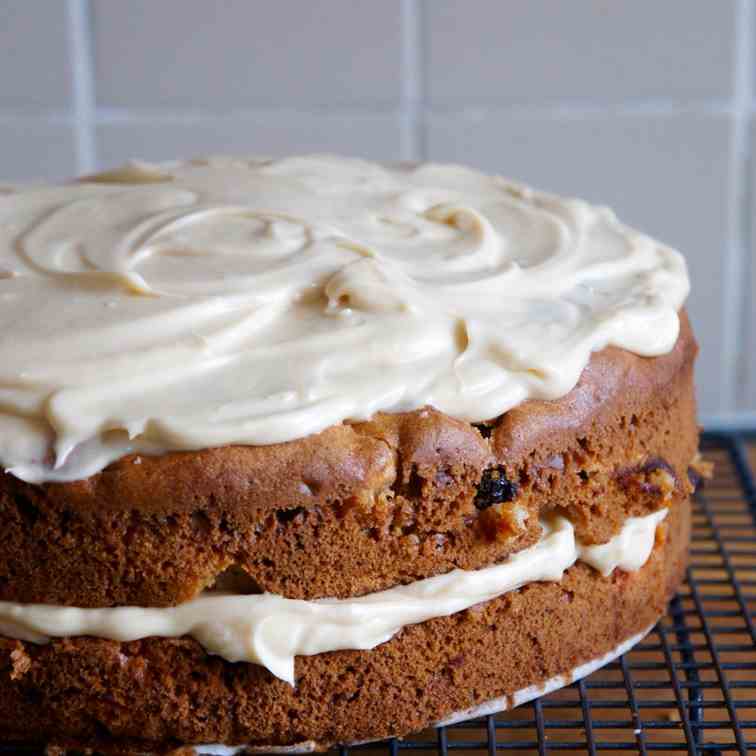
660,536
703,467
21,663
699,470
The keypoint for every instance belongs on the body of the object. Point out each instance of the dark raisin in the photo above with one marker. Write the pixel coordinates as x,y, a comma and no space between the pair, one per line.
484,429
494,488
27,510
287,515
636,477
657,463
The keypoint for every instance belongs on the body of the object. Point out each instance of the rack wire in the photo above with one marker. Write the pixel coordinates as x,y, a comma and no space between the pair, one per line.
688,687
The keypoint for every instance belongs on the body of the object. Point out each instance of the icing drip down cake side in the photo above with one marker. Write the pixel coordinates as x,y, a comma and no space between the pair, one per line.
317,450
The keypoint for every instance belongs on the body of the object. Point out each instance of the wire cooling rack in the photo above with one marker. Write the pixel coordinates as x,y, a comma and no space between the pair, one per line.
689,687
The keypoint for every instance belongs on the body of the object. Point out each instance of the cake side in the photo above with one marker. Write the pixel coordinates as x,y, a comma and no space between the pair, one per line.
151,695
359,508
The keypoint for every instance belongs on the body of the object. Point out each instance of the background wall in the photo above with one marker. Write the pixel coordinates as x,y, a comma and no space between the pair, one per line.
644,105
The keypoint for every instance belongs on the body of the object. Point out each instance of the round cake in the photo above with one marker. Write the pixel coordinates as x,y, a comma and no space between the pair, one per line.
315,451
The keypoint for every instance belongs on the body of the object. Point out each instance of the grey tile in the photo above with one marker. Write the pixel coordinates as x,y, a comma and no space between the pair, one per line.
376,136
543,50
190,53
667,175
35,70
36,150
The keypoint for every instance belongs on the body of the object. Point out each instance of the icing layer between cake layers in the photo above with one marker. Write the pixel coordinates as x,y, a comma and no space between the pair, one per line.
294,294
271,630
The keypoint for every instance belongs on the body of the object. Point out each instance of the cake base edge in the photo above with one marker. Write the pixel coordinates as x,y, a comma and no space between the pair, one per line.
494,706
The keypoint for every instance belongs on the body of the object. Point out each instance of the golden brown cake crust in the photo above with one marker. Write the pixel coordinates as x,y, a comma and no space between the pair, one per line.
361,507
154,694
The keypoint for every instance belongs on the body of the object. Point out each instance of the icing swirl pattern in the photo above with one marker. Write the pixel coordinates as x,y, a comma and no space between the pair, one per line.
227,301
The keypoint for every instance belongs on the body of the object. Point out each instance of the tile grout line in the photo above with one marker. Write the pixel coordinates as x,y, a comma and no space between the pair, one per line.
156,115
582,108
734,300
412,80
412,104
84,109
555,110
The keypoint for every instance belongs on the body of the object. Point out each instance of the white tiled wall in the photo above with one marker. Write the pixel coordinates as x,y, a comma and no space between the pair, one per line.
239,54
644,105
35,55
582,50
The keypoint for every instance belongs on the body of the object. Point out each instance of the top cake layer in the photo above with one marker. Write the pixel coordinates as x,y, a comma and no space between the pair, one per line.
207,303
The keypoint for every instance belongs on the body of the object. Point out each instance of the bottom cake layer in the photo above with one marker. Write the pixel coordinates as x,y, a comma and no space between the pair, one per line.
503,703
155,695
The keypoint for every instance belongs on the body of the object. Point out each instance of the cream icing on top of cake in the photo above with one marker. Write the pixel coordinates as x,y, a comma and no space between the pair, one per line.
271,630
228,301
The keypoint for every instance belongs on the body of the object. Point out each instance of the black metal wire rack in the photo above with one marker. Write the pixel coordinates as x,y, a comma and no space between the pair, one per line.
689,687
